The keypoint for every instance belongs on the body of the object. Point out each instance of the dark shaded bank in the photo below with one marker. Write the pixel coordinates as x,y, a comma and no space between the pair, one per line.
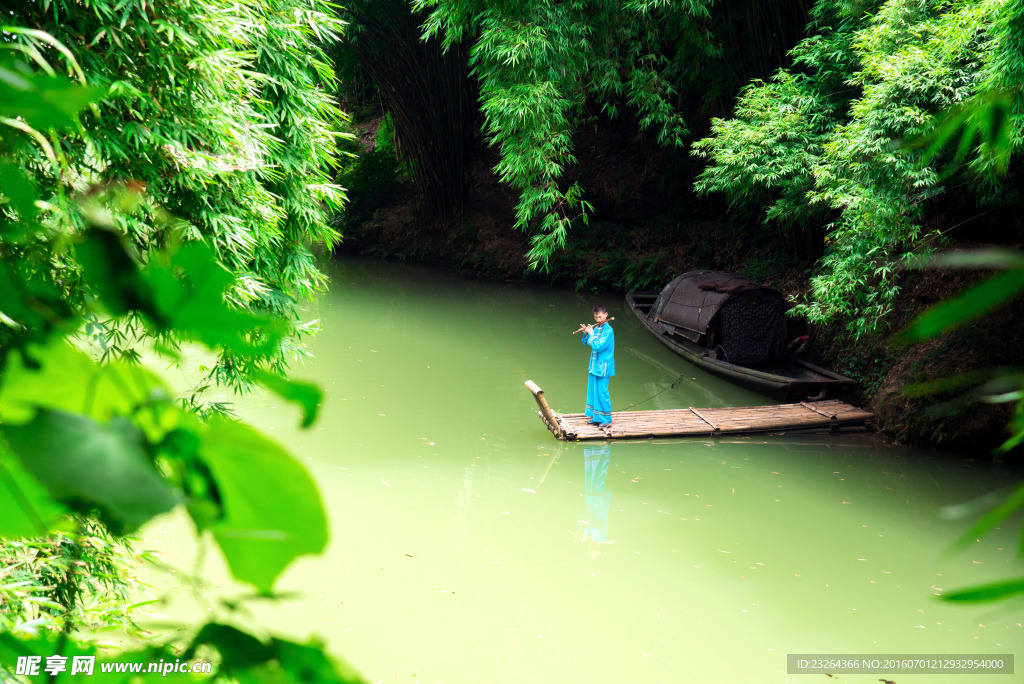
649,227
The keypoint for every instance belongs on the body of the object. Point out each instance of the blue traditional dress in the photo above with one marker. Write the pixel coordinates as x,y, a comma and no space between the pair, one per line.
602,367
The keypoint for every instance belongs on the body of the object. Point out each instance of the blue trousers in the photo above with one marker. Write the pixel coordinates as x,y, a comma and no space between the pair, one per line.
599,402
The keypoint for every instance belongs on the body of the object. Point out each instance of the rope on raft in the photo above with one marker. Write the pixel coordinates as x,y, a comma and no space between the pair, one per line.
677,381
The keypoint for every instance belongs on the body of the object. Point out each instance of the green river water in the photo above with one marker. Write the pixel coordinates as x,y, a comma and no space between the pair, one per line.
468,545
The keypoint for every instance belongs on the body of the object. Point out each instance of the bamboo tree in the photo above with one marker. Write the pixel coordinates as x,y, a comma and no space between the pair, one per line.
424,90
88,446
223,118
544,66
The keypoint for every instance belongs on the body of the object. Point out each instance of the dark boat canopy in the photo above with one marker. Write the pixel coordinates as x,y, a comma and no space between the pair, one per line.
715,308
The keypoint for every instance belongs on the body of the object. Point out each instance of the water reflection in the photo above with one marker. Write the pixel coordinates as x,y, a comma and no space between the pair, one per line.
594,527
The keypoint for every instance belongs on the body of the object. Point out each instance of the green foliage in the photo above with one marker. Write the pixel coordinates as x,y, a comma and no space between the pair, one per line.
307,395
537,62
107,444
966,306
995,591
270,511
78,577
26,507
223,118
991,591
242,658
369,179
983,125
277,660
424,93
765,156
823,144
92,464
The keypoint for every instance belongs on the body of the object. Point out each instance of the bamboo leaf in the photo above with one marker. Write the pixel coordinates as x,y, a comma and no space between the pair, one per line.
966,306
1005,509
984,593
975,258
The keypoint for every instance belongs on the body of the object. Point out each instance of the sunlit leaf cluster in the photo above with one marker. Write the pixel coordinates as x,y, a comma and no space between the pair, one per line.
221,117
824,144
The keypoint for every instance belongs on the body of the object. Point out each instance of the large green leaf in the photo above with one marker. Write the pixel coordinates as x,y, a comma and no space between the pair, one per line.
13,647
307,663
42,646
30,298
189,294
59,376
88,464
247,659
982,123
26,508
272,509
1007,507
238,650
114,276
976,258
18,189
184,294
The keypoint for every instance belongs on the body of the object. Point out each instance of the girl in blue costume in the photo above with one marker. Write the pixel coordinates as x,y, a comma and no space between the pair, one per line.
601,340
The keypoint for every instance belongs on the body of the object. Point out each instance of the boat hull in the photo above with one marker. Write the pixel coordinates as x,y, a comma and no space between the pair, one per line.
788,378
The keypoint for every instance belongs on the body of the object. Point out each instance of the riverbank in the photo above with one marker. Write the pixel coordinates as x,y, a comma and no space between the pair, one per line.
638,240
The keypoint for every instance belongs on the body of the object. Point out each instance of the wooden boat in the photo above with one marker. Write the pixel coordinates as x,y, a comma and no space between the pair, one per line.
736,329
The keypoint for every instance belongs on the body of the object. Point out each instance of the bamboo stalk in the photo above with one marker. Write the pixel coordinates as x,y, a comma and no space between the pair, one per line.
538,394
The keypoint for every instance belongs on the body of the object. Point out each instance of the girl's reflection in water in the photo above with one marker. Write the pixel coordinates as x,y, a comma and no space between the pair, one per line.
594,527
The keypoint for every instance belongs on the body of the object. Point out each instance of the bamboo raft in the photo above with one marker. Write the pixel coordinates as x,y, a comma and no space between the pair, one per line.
704,422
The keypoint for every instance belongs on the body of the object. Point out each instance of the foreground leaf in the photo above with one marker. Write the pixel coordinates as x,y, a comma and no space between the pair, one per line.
26,508
1005,509
272,509
88,464
114,276
995,591
247,659
43,101
969,304
47,645
58,376
308,663
19,190
976,258
188,293
307,395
